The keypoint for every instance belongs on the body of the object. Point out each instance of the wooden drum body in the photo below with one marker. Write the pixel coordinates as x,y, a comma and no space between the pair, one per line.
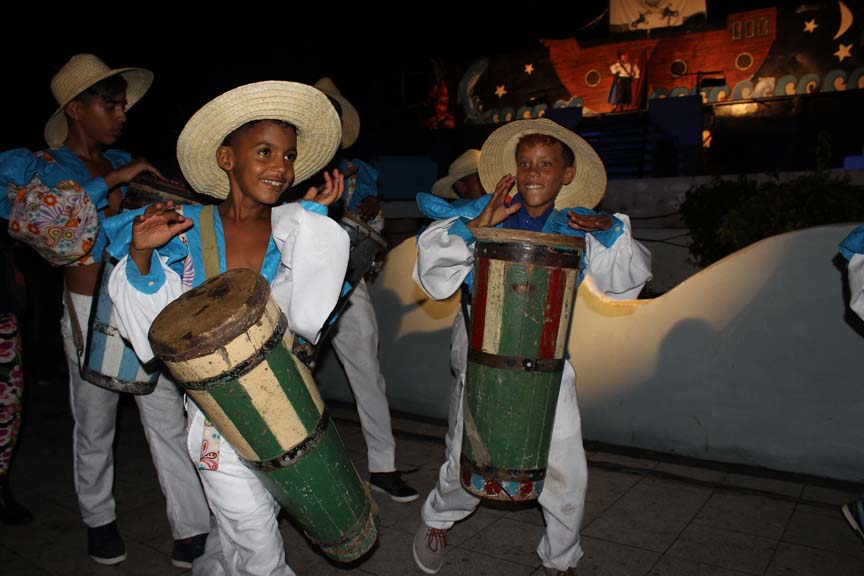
523,292
227,344
110,361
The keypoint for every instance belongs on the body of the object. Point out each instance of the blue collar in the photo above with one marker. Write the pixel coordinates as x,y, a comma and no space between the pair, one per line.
521,220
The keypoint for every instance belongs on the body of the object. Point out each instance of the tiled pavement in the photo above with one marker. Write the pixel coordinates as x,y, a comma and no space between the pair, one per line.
644,516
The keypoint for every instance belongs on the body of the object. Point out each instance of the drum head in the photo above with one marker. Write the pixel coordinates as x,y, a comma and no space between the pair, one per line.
209,316
505,236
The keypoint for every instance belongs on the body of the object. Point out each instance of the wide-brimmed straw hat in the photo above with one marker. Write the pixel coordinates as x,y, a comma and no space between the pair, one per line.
467,163
498,158
307,109
80,73
350,117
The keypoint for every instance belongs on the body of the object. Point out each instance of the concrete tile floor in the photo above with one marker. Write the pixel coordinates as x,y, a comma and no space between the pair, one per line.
644,516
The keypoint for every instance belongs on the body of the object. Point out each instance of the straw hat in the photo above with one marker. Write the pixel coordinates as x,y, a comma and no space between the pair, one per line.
350,117
80,73
303,106
498,158
467,163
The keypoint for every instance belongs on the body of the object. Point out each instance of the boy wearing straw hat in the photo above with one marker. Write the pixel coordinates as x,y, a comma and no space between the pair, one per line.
93,100
463,179
558,178
245,148
356,338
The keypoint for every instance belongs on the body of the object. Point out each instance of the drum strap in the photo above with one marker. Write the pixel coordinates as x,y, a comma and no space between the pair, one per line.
211,439
209,248
478,447
464,299
77,335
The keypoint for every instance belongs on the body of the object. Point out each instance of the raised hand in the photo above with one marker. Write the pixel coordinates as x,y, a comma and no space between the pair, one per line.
498,208
589,223
156,226
332,190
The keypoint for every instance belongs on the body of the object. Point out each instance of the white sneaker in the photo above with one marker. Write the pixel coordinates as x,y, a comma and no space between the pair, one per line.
429,544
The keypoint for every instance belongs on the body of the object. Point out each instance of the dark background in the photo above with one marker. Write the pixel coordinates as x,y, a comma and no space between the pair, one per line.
385,70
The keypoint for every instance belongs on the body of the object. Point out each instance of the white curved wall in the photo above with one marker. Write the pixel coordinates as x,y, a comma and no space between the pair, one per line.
751,360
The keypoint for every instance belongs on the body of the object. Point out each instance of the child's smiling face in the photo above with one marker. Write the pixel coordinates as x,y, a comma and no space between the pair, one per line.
259,160
541,172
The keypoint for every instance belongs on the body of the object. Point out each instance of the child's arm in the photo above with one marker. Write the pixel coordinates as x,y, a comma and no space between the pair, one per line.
314,251
142,283
445,251
619,265
445,255
154,228
364,200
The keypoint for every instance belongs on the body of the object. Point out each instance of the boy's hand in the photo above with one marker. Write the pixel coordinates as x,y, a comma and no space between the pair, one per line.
368,208
332,190
497,210
589,223
156,226
129,172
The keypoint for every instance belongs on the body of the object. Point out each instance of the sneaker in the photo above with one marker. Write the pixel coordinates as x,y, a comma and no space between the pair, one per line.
854,514
105,545
553,572
186,550
429,544
391,483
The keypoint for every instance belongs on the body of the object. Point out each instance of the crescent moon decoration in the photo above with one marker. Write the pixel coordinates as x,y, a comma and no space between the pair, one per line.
846,19
466,89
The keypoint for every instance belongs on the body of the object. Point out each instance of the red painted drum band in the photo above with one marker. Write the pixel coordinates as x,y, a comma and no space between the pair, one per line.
524,286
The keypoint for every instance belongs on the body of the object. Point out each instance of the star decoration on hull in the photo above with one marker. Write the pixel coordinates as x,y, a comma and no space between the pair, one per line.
844,52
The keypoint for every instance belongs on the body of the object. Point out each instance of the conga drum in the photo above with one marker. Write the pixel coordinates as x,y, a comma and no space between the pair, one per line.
523,291
228,346
367,250
145,190
109,360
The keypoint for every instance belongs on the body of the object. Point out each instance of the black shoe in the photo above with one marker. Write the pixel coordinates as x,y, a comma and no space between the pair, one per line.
391,483
105,545
11,512
186,550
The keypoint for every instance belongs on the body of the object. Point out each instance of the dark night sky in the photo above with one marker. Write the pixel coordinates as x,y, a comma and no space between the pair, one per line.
385,72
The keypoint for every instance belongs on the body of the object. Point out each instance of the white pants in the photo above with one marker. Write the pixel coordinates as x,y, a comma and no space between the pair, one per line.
356,345
94,410
563,496
245,539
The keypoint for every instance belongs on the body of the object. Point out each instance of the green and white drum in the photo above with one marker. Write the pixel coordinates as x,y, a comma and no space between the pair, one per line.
523,292
227,344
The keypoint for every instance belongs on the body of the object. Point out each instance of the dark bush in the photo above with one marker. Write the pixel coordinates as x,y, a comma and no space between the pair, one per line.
727,215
